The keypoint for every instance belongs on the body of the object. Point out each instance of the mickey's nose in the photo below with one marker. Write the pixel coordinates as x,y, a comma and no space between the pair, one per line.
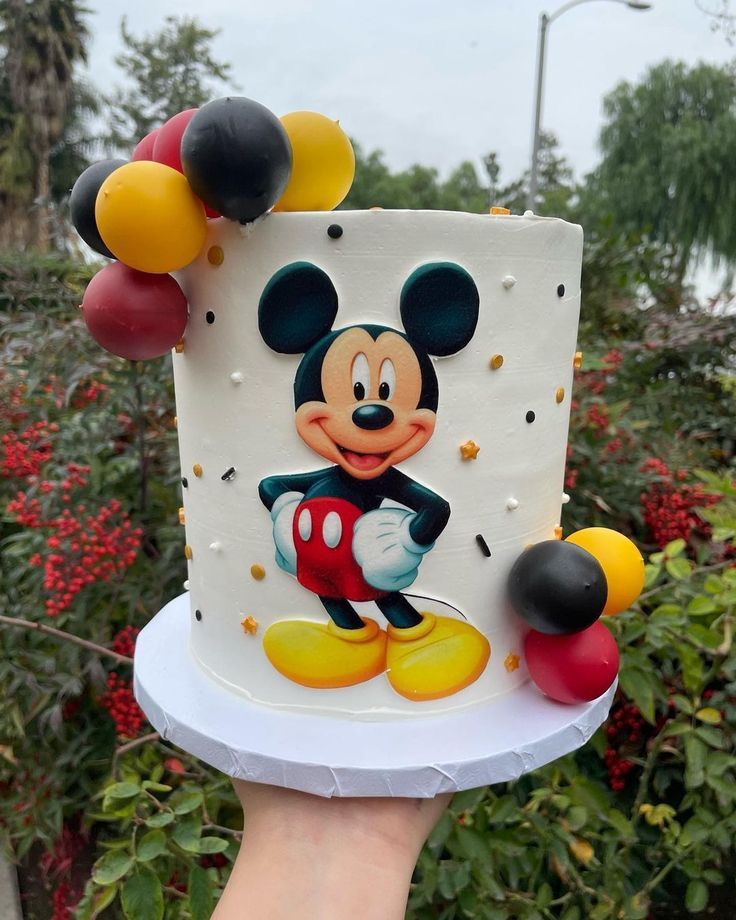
373,417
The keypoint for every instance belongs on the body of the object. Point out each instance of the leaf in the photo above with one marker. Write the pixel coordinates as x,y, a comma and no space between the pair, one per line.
102,898
675,548
111,867
576,817
122,791
582,850
142,897
713,584
637,685
201,903
709,714
701,605
473,844
621,823
212,845
468,799
695,756
679,568
161,819
185,800
150,846
156,787
187,832
696,896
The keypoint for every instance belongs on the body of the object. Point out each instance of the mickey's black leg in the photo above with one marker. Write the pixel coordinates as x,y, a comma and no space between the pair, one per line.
342,612
398,611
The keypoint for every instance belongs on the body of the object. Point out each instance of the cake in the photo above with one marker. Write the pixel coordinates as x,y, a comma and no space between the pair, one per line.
372,411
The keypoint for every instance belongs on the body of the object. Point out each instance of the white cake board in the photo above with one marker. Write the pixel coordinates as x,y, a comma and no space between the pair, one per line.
490,743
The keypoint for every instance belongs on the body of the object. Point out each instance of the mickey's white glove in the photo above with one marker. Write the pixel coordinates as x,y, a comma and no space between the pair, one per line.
282,515
384,549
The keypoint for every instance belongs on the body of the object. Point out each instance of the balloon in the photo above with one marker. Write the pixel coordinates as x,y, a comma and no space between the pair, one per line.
557,588
149,217
572,669
167,146
620,560
323,163
237,157
144,149
82,203
132,314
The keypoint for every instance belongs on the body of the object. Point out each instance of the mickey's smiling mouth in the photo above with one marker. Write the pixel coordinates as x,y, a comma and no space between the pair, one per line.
361,461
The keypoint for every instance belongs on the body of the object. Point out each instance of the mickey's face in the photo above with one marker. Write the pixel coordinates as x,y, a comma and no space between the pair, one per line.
369,419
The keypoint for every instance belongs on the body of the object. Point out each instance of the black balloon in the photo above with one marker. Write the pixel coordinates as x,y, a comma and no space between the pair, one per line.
557,587
237,157
82,203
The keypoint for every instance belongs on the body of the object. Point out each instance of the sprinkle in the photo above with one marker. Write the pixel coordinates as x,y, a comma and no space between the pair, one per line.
175,421
469,450
558,533
511,662
258,572
210,317
480,540
184,482
181,515
559,394
334,231
198,615
216,546
577,361
512,504
565,498
530,416
528,213
228,474
236,377
185,585
188,552
498,210
496,362
179,347
508,281
250,625
215,255
197,470
560,290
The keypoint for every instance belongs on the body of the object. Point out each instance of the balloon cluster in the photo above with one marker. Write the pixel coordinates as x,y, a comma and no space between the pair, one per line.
232,158
561,588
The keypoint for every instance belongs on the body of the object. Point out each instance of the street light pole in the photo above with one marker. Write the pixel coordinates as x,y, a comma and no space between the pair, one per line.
545,20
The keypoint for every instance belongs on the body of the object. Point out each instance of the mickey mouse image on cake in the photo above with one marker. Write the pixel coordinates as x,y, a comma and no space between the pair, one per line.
366,399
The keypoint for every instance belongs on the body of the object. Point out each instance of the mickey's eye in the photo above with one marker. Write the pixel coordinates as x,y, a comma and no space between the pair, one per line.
361,376
387,379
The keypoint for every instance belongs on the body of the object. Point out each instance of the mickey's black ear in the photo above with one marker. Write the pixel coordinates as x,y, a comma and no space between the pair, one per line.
439,307
297,308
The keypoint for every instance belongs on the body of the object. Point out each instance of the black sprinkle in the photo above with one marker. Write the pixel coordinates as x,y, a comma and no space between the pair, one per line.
530,416
480,540
210,317
560,290
197,615
334,231
185,482
228,474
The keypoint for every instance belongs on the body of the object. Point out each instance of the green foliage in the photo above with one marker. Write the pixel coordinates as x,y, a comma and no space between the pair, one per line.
167,71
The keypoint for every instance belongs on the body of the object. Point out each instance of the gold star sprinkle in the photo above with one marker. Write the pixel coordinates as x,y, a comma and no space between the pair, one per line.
258,572
577,361
179,347
497,210
511,662
469,450
197,470
559,394
188,552
250,625
181,516
496,362
215,255
558,533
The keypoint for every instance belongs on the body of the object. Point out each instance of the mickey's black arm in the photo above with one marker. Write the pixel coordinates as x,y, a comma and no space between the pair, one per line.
272,487
432,512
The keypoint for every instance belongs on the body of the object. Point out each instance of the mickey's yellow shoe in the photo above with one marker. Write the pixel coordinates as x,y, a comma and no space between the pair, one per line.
324,655
435,658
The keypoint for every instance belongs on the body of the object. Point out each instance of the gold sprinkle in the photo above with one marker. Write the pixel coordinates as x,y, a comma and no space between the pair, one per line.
188,552
577,361
511,662
258,572
497,210
469,450
179,347
215,255
175,421
197,470
559,394
558,533
250,625
181,515
496,362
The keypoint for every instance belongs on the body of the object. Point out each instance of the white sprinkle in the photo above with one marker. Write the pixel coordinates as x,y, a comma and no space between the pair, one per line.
565,498
528,213
185,585
512,504
216,546
237,377
508,281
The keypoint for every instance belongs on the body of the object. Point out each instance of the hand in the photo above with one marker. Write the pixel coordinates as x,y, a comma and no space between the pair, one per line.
384,549
325,859
282,515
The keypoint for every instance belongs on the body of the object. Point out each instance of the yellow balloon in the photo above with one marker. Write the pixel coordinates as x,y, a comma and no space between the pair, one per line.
150,218
620,560
323,164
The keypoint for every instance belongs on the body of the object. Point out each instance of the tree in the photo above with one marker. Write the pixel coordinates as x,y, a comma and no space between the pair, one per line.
168,71
42,41
669,144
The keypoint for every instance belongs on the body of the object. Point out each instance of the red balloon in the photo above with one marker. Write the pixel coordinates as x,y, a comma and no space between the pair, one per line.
134,314
144,149
167,147
572,668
